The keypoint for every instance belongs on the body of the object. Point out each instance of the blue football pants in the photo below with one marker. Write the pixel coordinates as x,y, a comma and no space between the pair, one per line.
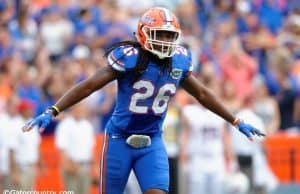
149,164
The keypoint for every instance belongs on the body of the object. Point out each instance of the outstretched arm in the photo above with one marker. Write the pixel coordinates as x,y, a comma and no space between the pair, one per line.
72,96
208,100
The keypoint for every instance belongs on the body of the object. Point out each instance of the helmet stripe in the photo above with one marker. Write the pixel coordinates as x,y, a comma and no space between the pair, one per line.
167,15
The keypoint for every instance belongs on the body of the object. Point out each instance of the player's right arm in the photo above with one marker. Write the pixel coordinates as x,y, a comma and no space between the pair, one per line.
119,61
74,95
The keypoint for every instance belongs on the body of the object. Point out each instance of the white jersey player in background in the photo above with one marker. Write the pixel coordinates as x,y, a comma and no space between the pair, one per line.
207,148
250,155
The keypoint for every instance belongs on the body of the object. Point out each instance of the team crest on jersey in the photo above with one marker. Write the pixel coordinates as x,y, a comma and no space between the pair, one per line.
176,73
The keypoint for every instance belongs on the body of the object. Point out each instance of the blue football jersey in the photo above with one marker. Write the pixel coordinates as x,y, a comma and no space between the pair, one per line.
142,104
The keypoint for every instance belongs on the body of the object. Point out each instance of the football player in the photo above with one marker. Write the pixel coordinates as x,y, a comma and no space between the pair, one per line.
148,72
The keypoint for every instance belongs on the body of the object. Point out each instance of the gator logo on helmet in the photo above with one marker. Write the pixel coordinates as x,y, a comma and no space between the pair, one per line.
147,20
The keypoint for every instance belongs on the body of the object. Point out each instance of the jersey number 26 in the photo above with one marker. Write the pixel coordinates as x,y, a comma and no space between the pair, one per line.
145,90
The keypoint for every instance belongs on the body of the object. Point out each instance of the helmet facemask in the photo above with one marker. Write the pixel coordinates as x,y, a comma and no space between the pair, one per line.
161,41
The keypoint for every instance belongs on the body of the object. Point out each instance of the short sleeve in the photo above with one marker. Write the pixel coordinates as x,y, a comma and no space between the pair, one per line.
123,58
183,58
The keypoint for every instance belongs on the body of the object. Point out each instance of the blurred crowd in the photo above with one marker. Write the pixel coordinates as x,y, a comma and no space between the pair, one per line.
48,45
246,51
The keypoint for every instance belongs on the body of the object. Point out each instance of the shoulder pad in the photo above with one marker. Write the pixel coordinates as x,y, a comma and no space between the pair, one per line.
123,58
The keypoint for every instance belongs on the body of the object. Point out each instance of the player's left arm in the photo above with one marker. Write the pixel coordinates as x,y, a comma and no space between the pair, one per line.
206,97
208,100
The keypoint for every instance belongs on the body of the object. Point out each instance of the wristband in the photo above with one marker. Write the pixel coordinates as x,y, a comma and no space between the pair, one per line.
56,109
53,110
236,122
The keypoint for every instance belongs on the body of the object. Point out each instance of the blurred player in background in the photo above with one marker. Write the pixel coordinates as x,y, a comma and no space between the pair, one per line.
27,151
20,153
8,165
148,72
251,157
207,147
172,128
75,139
5,152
